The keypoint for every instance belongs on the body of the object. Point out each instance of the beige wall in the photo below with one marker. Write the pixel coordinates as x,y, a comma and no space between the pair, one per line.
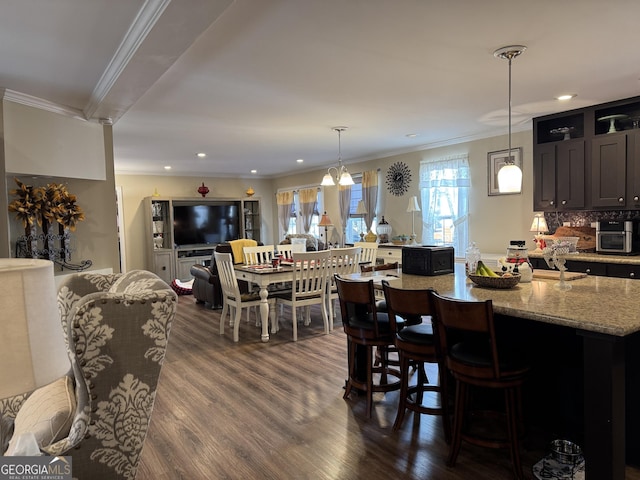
136,187
38,142
494,220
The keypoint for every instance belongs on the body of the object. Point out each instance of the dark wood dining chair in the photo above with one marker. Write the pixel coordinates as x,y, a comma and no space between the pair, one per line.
366,329
466,337
416,346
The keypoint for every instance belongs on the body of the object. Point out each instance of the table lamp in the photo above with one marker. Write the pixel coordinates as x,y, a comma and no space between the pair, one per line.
362,211
33,351
539,226
413,207
325,222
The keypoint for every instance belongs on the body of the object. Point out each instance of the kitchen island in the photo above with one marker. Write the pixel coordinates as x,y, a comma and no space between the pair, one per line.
601,316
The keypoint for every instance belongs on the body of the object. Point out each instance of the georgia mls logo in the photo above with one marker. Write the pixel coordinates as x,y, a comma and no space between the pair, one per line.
35,468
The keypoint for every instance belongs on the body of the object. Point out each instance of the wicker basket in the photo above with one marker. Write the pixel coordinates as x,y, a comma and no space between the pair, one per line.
496,282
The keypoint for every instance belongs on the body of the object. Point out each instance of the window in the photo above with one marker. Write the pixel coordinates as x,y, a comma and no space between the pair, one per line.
444,188
295,221
355,222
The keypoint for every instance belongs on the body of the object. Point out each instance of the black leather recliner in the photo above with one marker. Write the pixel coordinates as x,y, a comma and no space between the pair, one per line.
206,284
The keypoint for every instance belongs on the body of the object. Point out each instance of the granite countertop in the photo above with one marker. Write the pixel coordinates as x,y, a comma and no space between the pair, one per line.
594,303
598,258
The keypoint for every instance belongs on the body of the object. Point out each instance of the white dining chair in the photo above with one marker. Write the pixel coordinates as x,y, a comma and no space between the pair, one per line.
288,249
344,261
369,253
232,298
308,287
258,255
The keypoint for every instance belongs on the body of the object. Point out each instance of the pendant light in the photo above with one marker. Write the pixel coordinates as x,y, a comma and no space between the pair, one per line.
510,175
342,176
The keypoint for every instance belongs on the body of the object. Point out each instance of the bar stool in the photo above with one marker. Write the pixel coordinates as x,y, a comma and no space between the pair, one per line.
416,346
476,360
366,329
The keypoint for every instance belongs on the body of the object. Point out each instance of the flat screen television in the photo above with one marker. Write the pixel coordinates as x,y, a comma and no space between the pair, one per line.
204,224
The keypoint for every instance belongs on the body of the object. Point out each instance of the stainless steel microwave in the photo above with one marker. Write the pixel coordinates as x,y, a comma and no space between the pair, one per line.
620,237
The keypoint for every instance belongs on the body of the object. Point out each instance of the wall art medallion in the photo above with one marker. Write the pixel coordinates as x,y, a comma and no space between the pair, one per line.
398,179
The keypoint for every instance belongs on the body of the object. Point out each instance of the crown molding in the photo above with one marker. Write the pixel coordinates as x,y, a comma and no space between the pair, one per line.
140,28
31,101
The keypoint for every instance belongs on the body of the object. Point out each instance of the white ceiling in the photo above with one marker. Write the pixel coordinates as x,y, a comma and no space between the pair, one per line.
258,84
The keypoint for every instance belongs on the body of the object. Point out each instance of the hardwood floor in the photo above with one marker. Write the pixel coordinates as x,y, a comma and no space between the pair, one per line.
254,410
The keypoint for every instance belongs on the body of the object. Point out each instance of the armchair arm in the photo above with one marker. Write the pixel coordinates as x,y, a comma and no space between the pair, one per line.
201,272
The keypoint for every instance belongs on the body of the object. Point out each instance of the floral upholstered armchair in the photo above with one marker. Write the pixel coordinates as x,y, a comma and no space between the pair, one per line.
117,328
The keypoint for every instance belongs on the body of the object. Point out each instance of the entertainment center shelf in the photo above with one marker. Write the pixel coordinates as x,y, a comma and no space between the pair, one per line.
185,231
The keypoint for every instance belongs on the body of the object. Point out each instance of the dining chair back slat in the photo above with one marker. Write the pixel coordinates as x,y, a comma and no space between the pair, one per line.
287,250
258,255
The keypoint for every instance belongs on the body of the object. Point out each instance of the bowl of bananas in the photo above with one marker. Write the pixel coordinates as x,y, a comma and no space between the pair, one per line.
485,277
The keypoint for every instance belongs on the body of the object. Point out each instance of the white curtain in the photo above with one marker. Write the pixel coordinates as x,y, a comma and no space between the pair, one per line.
370,195
444,189
344,200
285,202
308,206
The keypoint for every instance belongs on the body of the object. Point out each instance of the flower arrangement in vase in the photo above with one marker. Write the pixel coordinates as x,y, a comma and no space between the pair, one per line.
44,207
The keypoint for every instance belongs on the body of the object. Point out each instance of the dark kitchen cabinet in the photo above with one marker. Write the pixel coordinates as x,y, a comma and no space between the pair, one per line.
623,271
609,171
591,268
588,158
559,176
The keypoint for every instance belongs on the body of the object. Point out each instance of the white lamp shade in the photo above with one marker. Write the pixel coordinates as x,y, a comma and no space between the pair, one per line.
413,205
361,209
345,178
539,224
33,351
327,180
510,179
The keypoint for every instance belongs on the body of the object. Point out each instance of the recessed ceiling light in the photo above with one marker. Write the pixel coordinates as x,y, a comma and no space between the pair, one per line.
201,155
300,160
565,97
411,135
167,167
254,171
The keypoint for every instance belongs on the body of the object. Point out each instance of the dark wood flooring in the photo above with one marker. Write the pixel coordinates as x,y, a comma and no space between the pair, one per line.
254,410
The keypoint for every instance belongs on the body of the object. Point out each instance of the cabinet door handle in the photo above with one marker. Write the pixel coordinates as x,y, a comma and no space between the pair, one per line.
564,202
636,198
164,268
551,202
632,274
620,200
588,270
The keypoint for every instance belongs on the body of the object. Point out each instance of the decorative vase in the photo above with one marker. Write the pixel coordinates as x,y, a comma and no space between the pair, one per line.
384,231
370,237
250,192
203,190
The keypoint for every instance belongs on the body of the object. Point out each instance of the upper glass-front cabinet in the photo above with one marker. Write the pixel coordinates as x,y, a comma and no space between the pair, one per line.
252,220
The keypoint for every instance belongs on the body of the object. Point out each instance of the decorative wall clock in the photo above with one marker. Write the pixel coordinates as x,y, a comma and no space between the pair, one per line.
398,179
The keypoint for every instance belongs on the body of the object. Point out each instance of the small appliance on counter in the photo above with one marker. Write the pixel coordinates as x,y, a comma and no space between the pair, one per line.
621,237
427,260
517,260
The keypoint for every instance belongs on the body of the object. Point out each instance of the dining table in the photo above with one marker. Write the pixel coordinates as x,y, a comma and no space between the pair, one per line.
263,276
602,317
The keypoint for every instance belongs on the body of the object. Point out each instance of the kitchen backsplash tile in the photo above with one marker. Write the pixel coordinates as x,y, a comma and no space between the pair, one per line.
584,218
